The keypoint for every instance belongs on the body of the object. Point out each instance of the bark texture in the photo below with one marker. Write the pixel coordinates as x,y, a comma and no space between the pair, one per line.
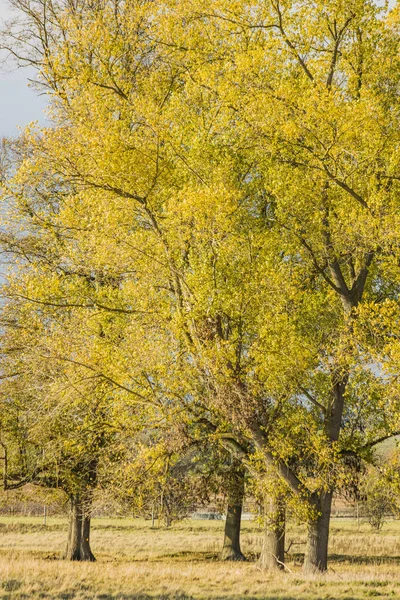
78,545
272,555
86,552
316,557
231,546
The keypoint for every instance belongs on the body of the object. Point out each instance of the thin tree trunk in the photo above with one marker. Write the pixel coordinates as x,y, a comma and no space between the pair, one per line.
273,548
231,546
316,557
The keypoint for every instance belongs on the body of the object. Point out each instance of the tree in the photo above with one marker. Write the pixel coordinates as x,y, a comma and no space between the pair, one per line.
217,344
62,423
62,414
306,89
257,229
52,153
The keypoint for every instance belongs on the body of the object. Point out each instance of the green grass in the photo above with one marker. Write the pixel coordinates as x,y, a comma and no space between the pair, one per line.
137,562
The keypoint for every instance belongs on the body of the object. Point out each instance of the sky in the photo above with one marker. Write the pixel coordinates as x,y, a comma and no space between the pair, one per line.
20,104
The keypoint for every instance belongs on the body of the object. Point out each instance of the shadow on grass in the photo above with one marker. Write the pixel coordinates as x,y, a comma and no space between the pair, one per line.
293,559
11,590
105,557
118,596
297,559
364,560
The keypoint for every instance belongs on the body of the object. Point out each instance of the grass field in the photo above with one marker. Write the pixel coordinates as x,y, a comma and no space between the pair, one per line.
135,561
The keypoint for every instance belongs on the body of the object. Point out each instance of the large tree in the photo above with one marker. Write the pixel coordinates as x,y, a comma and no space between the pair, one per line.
251,231
312,91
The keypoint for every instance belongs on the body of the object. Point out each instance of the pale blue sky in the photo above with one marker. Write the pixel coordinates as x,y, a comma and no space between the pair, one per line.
19,104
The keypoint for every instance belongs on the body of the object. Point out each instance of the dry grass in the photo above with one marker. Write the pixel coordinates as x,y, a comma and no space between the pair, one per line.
137,562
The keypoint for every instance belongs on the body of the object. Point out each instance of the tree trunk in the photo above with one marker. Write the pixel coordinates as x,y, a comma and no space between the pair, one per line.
273,548
316,557
231,547
73,551
86,552
78,545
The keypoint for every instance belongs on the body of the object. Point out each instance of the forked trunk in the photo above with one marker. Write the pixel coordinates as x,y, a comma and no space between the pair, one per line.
231,547
78,545
316,557
272,555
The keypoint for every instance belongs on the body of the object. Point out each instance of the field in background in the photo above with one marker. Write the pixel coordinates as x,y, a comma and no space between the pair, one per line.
136,562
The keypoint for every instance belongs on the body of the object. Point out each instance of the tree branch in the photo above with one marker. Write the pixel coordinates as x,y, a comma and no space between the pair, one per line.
290,44
338,39
312,399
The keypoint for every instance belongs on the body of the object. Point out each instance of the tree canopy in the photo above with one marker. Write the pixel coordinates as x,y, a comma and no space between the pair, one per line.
206,239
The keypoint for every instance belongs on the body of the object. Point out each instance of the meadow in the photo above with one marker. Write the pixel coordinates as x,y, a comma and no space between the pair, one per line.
138,562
